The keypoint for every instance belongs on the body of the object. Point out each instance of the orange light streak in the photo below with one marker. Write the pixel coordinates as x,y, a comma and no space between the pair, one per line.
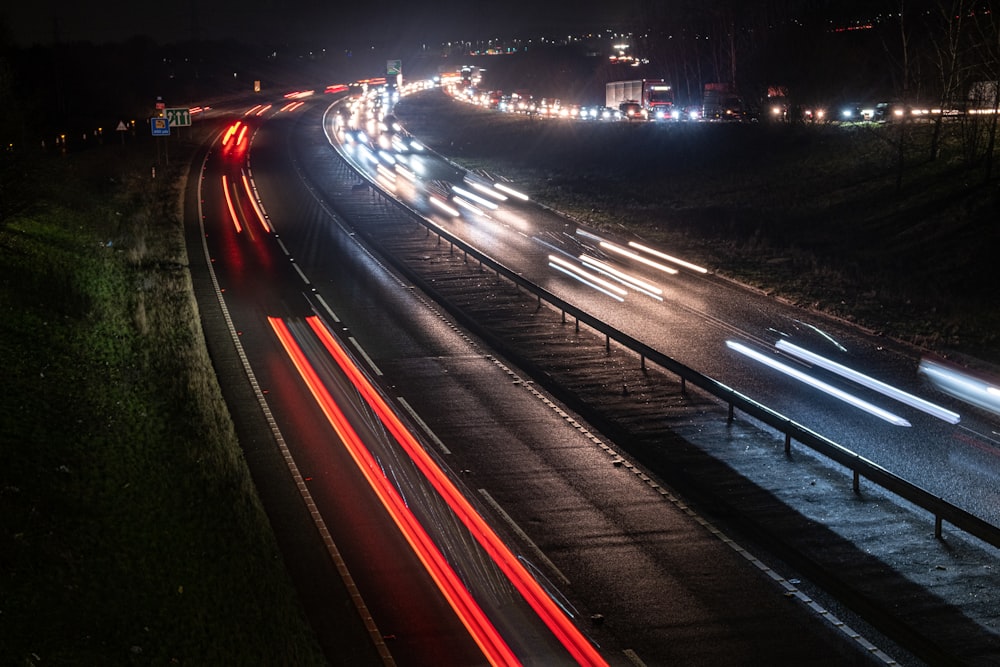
551,614
229,203
458,597
253,203
230,132
243,133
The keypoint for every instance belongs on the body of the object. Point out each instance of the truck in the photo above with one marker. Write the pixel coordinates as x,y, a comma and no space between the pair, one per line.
651,99
721,102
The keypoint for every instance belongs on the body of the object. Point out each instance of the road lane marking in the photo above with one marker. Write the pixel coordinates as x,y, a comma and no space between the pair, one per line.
364,354
423,425
539,554
328,309
301,275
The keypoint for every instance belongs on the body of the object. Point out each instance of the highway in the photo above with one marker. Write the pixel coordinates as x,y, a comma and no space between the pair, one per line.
433,587
723,330
607,550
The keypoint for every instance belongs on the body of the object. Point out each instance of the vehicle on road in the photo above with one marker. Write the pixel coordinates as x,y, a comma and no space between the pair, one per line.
720,101
651,99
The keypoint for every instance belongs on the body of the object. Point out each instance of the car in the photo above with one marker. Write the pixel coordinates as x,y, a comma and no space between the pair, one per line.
632,110
854,112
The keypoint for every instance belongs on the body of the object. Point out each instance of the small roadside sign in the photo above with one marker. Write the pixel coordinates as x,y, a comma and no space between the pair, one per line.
393,67
121,127
160,127
178,117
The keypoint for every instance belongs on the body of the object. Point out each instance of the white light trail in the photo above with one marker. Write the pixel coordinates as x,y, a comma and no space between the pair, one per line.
630,281
976,391
639,258
468,206
672,260
406,173
486,190
818,384
869,382
482,201
588,279
511,191
444,207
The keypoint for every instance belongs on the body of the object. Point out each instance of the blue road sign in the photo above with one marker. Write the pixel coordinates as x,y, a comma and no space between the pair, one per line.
160,127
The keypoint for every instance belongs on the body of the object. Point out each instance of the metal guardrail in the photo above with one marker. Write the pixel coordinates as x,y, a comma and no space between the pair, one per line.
860,467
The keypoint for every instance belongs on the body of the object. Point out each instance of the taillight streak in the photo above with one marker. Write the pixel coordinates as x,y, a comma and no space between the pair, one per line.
254,204
229,203
551,614
458,597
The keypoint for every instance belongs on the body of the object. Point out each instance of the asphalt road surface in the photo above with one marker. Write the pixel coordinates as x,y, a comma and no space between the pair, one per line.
647,578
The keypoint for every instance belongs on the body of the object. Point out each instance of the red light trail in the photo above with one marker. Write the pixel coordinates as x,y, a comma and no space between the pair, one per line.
551,614
471,615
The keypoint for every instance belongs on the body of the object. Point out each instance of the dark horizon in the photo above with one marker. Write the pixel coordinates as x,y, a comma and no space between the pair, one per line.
304,21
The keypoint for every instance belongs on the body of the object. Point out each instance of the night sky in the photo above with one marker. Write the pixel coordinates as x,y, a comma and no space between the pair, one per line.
275,21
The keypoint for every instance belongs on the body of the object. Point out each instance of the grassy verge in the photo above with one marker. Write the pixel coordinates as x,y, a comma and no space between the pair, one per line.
810,213
130,531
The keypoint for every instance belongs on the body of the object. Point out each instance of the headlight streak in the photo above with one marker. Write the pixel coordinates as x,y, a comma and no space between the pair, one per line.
443,206
817,384
963,386
229,204
511,191
458,597
639,258
486,190
253,202
869,382
627,280
823,334
482,201
579,647
587,278
406,173
661,255
467,206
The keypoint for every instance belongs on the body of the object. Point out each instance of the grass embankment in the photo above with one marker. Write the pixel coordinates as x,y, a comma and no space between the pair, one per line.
131,532
810,213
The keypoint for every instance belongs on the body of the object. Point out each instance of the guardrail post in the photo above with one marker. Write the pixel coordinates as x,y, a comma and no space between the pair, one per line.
607,343
642,362
937,526
788,443
857,483
729,419
684,387
577,324
563,315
